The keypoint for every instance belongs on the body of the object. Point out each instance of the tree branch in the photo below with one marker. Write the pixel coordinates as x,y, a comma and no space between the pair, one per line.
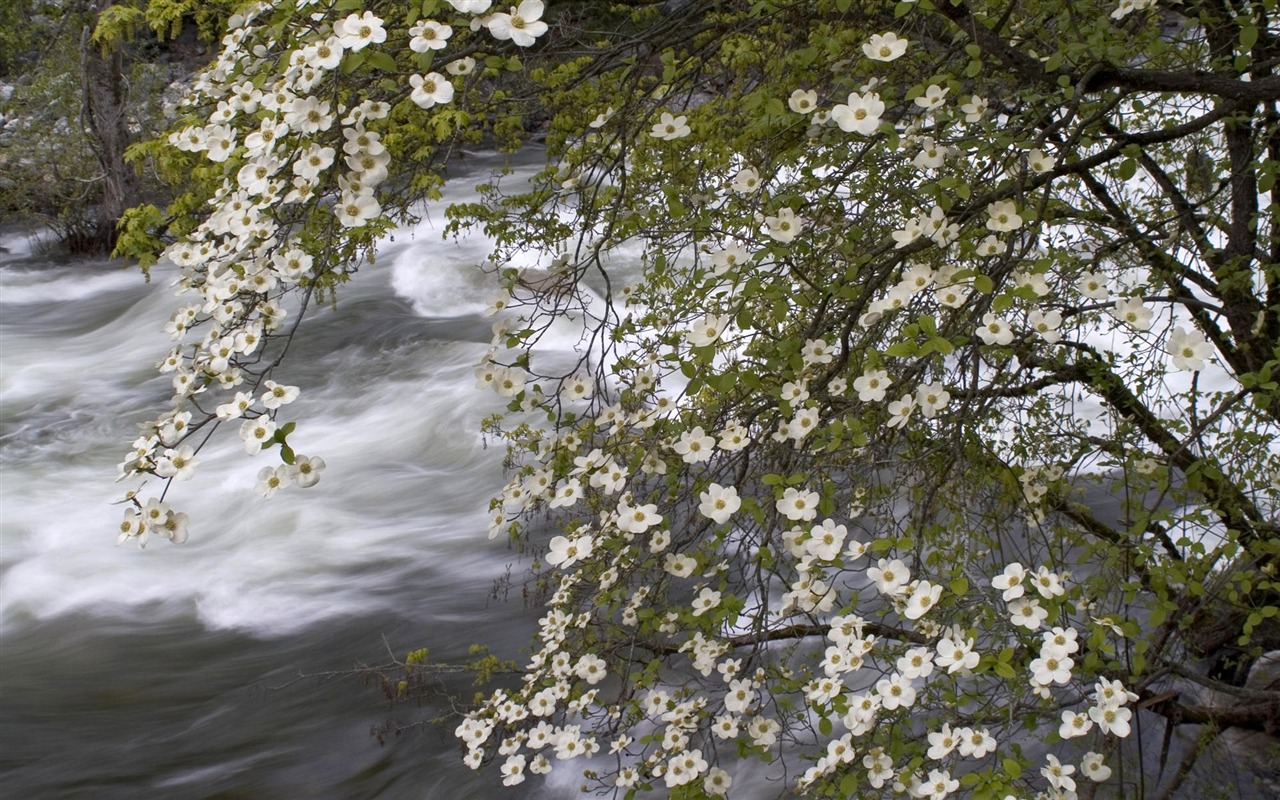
1260,716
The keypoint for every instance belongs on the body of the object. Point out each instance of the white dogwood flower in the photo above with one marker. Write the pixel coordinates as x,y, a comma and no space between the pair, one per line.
885,47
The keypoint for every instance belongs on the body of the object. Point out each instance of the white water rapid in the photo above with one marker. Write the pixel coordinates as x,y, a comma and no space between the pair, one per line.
170,672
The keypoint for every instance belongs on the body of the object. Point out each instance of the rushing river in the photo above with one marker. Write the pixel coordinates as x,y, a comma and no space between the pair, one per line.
173,672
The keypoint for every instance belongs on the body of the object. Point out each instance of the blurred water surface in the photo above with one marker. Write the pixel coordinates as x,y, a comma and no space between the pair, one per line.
172,671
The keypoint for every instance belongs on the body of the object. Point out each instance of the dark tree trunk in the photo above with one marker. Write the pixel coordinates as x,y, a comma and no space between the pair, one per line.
105,95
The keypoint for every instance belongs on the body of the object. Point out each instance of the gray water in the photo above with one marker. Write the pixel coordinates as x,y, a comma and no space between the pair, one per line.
174,671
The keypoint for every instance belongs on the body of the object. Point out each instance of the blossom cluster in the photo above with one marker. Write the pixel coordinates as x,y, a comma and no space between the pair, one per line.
286,154
628,560
794,469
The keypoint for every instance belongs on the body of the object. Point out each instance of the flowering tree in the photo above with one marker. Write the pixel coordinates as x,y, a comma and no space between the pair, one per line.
933,449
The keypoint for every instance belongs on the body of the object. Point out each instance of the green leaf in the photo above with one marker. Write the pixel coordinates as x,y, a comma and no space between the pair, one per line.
1248,37
959,587
1158,615
383,61
1267,175
1127,169
117,24
982,284
1012,768
824,726
941,345
766,557
352,61
827,505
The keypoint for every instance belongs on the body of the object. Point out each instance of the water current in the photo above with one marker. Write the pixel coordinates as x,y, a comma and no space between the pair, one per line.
173,672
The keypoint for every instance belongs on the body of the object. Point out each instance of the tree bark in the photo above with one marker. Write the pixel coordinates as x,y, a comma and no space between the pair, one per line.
106,92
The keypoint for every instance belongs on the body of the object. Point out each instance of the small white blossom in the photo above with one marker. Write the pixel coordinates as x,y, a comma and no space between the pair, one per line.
884,47
670,128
